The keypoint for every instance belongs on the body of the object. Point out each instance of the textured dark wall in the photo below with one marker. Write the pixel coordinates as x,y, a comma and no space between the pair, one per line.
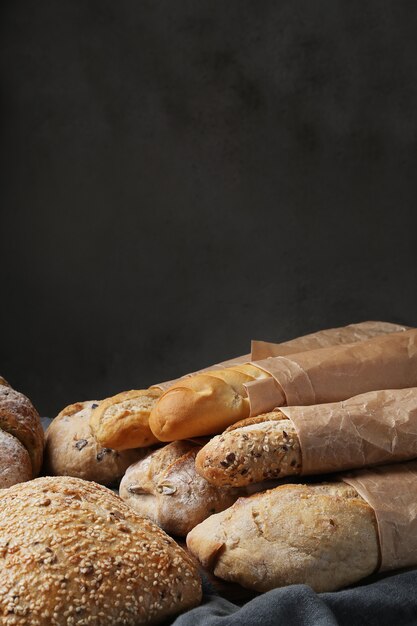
178,177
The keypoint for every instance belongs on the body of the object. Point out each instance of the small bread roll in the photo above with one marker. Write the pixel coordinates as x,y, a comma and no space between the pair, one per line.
73,553
72,450
322,535
15,464
165,487
122,421
4,382
19,418
250,451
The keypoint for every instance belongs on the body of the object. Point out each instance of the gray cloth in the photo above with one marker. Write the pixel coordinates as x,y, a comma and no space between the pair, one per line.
391,601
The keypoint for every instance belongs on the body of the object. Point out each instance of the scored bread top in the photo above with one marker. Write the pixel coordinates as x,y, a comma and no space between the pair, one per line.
204,404
122,421
73,553
19,418
166,488
15,463
322,535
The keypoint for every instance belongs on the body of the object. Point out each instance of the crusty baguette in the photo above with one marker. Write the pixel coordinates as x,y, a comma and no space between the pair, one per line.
204,404
122,421
73,553
322,535
165,487
207,404
19,418
252,450
72,450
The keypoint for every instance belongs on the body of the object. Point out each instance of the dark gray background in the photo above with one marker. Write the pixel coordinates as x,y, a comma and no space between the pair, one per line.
178,177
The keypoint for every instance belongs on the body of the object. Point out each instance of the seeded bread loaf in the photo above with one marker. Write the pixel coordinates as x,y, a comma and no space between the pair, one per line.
122,421
19,418
165,487
73,553
250,451
322,535
72,450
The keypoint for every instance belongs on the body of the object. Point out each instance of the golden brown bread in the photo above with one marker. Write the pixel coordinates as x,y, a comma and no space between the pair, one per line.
73,553
72,450
209,403
122,421
204,404
19,418
165,487
322,535
252,450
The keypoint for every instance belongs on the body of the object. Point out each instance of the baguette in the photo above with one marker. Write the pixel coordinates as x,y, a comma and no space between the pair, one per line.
322,535
207,404
165,488
252,450
122,421
73,553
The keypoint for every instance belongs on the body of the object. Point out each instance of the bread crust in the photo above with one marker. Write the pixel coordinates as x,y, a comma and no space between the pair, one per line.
19,418
121,422
72,450
15,463
203,404
73,553
165,487
322,535
256,449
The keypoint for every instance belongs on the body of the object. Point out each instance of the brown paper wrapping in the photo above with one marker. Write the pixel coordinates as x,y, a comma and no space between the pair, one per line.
391,490
338,372
325,338
236,361
370,429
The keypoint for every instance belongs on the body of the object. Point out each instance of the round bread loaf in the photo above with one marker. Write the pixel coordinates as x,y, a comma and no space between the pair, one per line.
73,553
15,465
19,418
72,450
166,488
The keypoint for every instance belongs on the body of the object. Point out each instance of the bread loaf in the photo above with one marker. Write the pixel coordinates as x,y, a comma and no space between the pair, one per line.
165,487
322,535
204,404
72,450
19,418
207,404
73,553
252,450
15,464
122,421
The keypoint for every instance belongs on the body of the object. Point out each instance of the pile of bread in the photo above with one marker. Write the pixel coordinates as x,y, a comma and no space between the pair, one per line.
200,458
